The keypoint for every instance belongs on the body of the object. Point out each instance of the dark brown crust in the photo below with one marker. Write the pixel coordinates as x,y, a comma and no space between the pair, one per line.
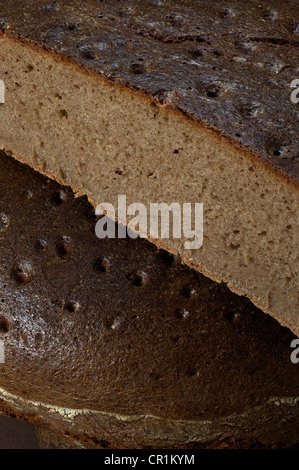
53,437
181,54
178,346
71,439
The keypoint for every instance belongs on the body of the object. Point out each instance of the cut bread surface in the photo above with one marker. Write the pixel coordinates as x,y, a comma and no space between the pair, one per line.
106,131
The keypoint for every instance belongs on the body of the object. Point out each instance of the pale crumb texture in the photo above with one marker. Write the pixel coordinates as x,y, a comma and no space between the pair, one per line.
104,140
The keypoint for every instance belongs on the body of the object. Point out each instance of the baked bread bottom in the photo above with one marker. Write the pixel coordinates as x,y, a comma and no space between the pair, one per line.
117,344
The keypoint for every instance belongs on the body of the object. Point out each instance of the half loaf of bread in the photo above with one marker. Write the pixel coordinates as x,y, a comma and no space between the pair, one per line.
116,344
168,101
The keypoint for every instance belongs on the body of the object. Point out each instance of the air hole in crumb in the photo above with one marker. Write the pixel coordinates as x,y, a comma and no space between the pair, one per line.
213,91
189,292
192,372
63,113
64,246
232,316
277,152
72,27
137,68
139,278
138,281
235,246
59,197
170,259
71,307
4,325
102,265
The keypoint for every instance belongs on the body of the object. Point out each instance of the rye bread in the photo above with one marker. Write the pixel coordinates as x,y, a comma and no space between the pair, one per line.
168,101
115,343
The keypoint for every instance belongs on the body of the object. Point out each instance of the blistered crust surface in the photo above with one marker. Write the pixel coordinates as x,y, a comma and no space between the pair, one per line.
227,64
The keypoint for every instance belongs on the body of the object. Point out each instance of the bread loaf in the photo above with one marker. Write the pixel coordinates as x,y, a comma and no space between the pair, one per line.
167,102
114,343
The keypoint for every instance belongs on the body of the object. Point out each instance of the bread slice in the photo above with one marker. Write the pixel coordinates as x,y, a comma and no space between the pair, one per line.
168,102
119,345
